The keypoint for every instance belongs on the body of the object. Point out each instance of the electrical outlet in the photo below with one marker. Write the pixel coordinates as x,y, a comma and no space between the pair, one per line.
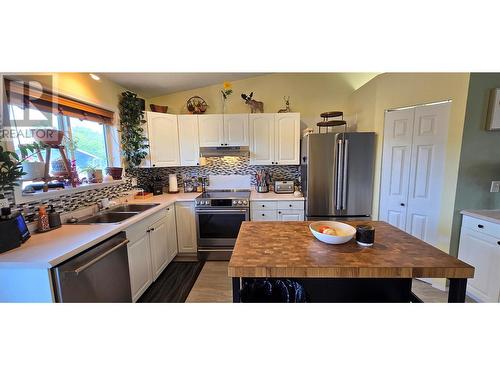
495,187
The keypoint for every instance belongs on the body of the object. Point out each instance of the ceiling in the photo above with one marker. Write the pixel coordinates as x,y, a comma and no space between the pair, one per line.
150,85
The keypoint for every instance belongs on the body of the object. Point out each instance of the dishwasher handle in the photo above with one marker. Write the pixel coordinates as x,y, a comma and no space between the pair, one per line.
98,258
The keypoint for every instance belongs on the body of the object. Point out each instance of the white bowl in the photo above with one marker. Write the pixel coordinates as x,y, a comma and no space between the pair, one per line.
345,232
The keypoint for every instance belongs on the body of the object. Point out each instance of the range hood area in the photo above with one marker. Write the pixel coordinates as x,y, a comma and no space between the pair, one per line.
225,151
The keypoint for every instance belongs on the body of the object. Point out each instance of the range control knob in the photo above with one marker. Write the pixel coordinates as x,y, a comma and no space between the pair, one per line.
207,202
240,203
235,202
197,203
245,203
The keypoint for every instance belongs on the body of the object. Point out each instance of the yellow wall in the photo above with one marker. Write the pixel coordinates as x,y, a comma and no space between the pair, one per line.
395,90
310,93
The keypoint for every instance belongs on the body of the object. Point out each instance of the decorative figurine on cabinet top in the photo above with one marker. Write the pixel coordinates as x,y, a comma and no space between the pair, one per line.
287,105
255,106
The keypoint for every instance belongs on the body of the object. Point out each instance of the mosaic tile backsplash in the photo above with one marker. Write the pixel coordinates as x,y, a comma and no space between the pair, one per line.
70,202
219,166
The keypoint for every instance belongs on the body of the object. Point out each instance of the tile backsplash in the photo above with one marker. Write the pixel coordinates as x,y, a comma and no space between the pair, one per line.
71,201
229,165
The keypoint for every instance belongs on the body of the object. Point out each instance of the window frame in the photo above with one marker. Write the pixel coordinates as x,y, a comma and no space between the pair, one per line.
112,149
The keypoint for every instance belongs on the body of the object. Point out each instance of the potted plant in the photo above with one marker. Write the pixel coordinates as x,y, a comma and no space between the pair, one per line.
133,141
11,170
33,168
94,174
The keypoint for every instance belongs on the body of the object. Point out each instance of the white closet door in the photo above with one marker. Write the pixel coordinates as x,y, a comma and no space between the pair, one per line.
398,133
430,133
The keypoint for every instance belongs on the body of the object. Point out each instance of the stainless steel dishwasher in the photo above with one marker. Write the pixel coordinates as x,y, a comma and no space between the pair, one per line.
100,274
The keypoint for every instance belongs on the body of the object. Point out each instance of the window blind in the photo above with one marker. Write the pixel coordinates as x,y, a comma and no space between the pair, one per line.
23,95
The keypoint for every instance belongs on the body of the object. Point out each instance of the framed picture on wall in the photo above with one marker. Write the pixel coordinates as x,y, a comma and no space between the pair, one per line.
493,120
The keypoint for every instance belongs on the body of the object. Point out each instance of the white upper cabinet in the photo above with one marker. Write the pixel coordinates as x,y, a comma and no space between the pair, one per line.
211,130
189,145
287,138
236,130
163,139
261,138
274,138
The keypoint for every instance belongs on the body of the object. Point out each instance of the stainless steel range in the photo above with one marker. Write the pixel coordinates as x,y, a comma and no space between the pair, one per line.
219,215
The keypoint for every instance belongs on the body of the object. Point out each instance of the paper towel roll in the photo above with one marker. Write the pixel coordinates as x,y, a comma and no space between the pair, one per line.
172,183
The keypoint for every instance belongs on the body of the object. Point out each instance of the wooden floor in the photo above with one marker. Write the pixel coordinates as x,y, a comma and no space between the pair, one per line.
213,285
174,284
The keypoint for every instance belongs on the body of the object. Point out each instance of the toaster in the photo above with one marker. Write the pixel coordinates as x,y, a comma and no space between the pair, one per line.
283,187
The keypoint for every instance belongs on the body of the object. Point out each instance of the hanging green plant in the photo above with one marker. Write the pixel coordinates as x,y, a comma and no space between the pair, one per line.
134,143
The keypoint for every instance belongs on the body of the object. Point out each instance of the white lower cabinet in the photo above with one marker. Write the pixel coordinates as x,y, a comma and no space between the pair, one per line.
158,236
172,233
139,262
480,247
277,210
186,227
152,246
291,215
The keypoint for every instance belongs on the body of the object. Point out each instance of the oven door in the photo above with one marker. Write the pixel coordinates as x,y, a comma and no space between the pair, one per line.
218,228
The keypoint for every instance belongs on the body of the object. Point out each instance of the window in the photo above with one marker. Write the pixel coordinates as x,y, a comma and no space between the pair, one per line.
90,143
85,140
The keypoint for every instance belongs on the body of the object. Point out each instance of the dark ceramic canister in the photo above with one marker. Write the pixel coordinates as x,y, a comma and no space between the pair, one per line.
365,235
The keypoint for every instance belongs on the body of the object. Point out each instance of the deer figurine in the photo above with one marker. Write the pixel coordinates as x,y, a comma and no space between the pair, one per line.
255,106
287,105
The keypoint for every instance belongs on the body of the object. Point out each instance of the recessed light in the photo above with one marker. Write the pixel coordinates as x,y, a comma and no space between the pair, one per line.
95,76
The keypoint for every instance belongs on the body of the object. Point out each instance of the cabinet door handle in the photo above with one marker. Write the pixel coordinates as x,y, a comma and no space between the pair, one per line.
263,205
402,204
152,229
289,205
498,242
481,226
279,212
263,215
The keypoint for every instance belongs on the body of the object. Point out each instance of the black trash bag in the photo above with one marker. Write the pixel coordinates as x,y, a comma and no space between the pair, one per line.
272,290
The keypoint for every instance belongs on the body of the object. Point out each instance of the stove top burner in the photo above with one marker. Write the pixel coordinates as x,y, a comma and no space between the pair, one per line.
221,194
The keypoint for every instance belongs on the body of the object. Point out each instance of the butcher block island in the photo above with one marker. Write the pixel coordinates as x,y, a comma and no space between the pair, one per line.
347,272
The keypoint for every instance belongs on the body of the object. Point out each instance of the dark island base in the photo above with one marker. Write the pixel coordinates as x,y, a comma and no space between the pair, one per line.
363,290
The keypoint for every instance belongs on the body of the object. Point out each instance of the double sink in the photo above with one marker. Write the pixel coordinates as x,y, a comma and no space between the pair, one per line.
117,214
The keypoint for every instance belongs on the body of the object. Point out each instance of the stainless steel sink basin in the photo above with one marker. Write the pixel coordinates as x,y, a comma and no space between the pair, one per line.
107,217
133,207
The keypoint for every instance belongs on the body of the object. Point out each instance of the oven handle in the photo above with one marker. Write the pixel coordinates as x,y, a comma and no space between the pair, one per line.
219,211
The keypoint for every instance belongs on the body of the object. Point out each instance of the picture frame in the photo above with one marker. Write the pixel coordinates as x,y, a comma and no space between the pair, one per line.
493,119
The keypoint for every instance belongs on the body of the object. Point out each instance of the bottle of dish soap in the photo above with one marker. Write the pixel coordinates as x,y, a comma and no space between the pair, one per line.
43,219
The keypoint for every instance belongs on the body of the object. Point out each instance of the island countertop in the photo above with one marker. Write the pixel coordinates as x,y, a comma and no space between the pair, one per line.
288,249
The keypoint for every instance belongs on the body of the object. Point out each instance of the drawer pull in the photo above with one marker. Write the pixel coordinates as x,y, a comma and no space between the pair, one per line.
263,215
263,205
498,242
289,205
481,226
279,212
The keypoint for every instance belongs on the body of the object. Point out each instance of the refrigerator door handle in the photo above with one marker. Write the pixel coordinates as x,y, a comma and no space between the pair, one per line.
338,175
344,174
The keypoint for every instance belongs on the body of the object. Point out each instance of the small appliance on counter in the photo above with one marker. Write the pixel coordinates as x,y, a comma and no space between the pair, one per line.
284,187
13,230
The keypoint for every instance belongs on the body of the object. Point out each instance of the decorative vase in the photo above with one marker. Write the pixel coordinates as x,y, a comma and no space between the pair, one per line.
58,168
115,172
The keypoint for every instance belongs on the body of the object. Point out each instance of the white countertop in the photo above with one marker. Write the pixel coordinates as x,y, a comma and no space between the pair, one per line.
46,250
493,216
272,196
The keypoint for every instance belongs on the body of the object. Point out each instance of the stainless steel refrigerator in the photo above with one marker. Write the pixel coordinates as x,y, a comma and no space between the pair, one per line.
337,175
